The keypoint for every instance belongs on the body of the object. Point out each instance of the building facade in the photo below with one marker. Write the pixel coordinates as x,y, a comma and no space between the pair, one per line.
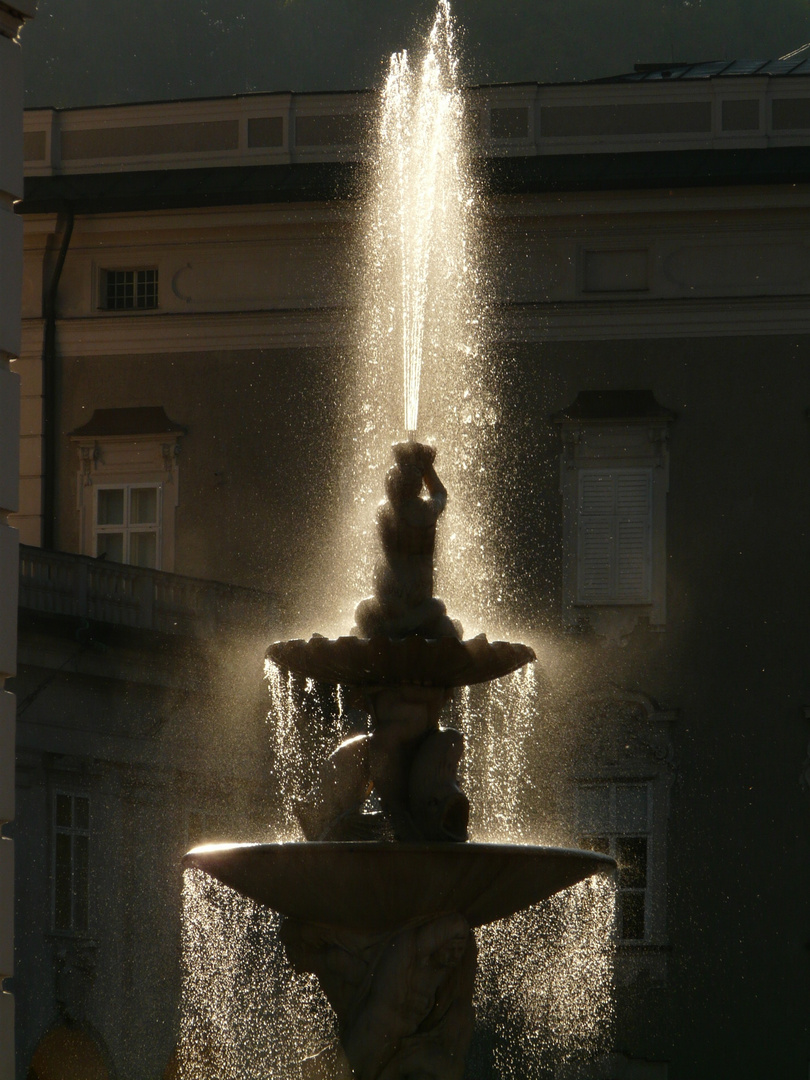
185,323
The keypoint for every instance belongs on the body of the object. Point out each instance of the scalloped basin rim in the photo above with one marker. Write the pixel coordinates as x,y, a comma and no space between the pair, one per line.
410,661
380,887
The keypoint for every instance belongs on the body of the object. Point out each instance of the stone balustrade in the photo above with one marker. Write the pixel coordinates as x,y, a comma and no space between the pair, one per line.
75,586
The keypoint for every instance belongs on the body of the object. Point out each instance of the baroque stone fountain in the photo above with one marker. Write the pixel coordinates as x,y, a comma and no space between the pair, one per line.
381,899
381,904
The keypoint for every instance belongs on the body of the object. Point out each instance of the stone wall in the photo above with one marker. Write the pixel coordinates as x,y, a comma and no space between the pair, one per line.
11,189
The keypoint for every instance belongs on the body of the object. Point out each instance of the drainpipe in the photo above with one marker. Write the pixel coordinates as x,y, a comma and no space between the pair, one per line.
49,384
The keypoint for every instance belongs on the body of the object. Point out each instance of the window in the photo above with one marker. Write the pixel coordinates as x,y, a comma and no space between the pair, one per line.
617,801
614,533
127,485
614,476
129,290
71,842
127,524
615,818
509,122
615,271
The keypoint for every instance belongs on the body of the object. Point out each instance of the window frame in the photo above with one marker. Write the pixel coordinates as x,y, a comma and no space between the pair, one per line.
126,527
630,741
103,289
72,831
115,461
612,832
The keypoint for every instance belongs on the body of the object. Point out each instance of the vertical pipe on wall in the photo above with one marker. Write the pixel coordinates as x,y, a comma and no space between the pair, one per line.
50,441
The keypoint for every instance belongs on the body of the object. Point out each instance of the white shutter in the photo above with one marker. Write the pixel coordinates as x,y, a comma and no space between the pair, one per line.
634,531
596,536
614,536
596,559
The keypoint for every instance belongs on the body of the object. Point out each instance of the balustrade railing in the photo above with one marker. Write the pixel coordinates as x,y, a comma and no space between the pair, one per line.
58,583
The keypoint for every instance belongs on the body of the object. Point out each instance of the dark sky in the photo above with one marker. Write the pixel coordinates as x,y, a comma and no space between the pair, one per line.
88,52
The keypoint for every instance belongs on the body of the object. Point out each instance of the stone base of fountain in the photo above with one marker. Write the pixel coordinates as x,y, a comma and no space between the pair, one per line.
387,930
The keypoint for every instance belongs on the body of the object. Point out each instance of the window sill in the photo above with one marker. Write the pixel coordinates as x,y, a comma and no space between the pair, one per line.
614,623
126,311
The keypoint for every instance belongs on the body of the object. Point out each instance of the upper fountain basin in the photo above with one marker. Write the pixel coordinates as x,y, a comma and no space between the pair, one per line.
410,661
381,887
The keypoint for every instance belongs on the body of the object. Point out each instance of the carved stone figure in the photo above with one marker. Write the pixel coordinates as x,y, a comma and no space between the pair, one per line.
403,601
403,1000
407,760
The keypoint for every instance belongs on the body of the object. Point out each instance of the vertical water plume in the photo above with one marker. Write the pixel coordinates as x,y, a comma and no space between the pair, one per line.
422,328
420,195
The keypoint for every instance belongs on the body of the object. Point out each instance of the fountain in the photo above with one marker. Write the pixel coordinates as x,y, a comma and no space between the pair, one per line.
381,898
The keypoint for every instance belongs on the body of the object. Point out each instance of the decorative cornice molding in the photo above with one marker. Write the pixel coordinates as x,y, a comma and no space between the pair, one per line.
616,320
123,335
630,733
126,335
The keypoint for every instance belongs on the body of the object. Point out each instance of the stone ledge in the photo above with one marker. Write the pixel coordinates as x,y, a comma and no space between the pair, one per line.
12,16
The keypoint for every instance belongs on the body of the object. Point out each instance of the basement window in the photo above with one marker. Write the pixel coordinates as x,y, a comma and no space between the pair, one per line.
129,290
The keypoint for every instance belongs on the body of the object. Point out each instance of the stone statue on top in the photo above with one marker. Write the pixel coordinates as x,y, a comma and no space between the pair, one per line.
403,604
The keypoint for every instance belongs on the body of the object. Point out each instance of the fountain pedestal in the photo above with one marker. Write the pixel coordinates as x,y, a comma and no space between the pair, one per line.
387,926
387,929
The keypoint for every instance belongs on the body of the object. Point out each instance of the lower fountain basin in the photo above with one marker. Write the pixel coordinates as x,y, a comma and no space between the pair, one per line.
381,887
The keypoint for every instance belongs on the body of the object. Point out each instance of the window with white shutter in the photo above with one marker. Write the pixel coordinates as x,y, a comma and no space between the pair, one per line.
614,536
614,476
